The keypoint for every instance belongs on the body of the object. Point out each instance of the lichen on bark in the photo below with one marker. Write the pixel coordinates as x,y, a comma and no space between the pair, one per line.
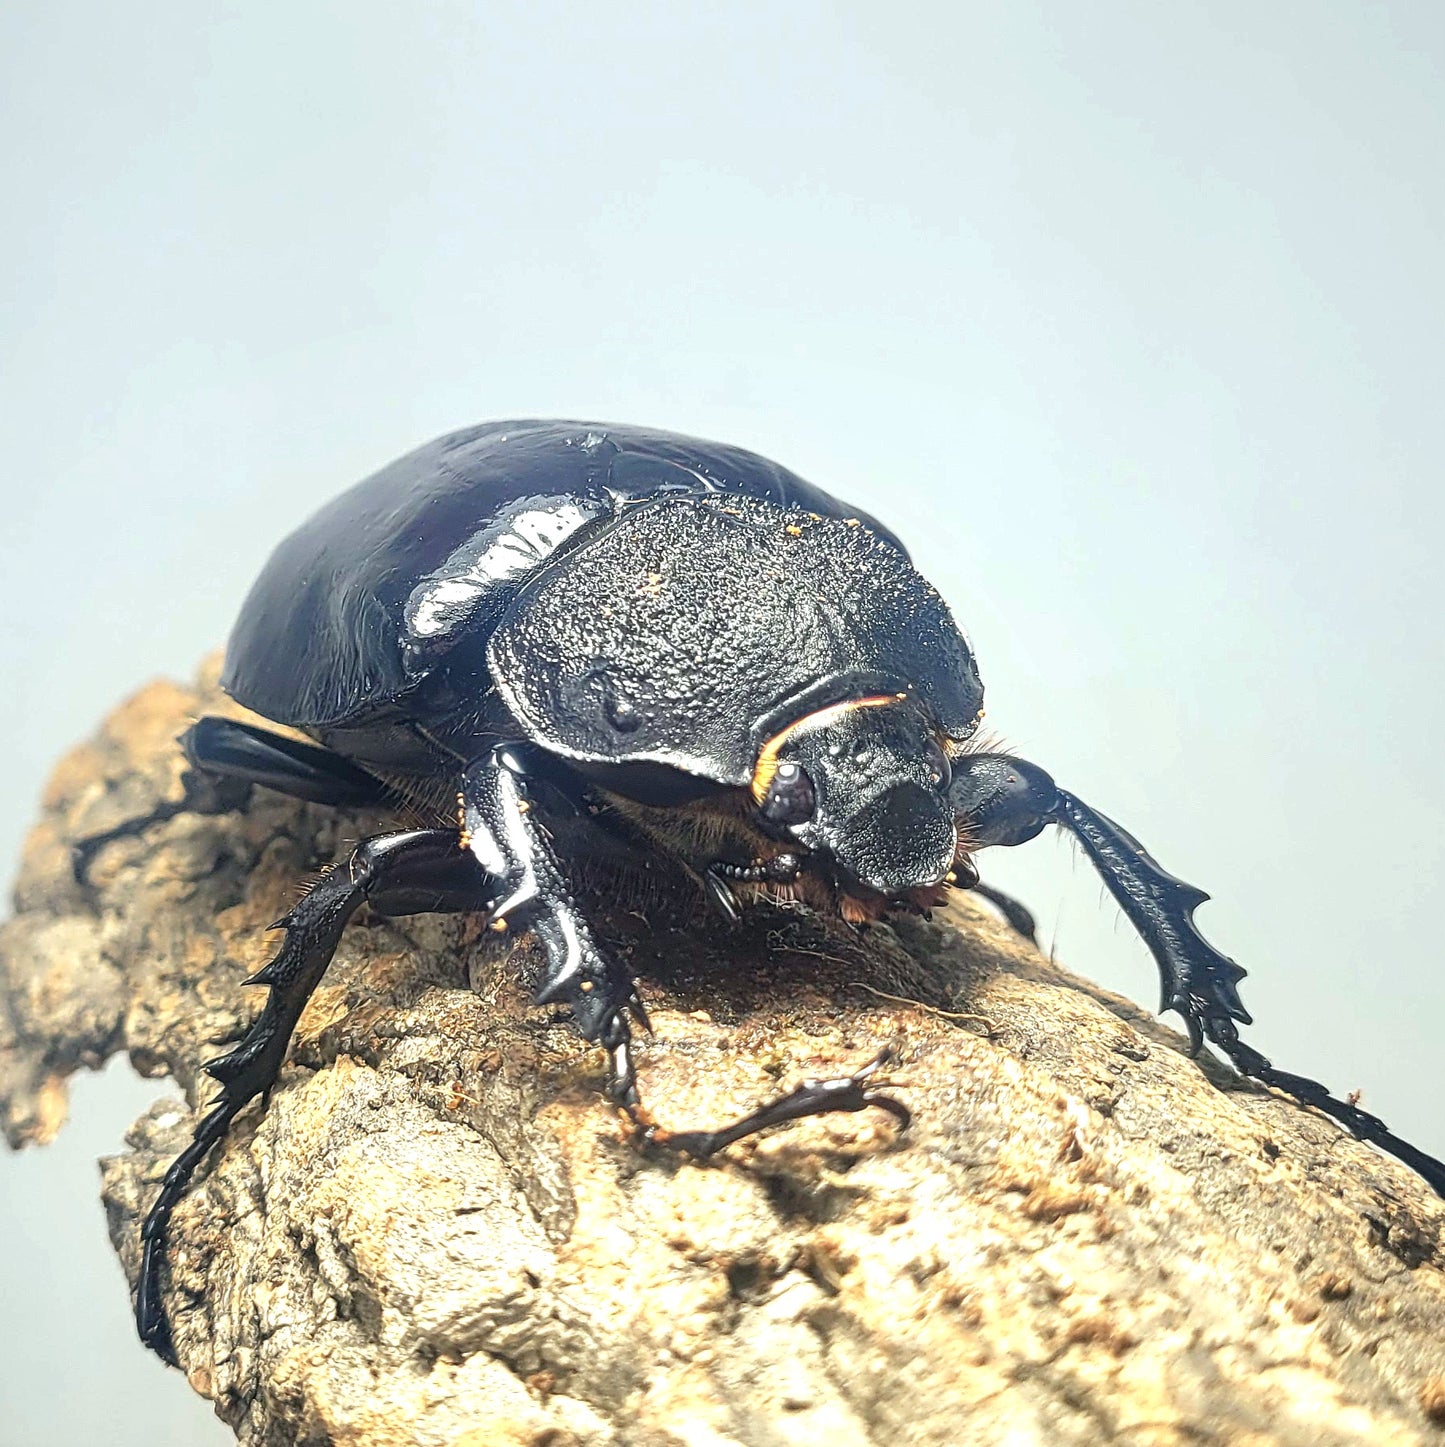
438,1232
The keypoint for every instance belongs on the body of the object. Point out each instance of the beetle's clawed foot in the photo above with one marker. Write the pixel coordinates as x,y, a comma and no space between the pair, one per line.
624,1008
864,1088
1200,985
1209,1018
151,1324
603,1004
720,876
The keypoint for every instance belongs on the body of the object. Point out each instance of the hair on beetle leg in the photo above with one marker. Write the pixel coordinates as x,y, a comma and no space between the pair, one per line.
858,911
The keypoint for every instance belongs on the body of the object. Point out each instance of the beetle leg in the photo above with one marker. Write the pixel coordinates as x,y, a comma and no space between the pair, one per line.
720,893
504,834
721,875
621,1068
1002,800
227,757
416,872
1199,982
509,842
227,748
201,795
1019,917
858,1091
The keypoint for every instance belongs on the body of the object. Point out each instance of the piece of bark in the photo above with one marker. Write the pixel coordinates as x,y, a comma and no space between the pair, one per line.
437,1233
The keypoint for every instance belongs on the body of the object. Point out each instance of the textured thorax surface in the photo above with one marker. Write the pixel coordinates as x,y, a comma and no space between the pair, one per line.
690,629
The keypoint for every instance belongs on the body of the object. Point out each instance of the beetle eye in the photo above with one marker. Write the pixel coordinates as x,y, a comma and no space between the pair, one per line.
939,768
790,798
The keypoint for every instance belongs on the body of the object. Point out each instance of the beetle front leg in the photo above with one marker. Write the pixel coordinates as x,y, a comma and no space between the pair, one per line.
1017,915
1200,982
1003,800
504,834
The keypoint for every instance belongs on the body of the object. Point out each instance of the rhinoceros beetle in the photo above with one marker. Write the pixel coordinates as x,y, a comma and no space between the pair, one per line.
716,660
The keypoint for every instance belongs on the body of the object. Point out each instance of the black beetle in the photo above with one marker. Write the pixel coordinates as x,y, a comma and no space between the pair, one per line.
681,642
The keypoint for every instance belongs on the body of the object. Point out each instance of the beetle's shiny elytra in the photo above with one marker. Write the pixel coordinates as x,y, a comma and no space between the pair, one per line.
706,657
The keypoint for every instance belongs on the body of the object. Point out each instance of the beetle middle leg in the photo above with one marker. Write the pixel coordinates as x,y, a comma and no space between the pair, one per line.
502,831
862,1090
414,872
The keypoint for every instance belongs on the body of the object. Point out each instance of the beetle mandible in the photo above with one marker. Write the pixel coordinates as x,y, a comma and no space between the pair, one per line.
687,645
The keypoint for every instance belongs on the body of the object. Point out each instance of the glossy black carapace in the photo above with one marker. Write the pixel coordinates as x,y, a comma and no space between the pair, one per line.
685,646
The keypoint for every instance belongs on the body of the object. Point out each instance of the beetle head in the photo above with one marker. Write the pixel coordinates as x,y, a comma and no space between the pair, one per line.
865,784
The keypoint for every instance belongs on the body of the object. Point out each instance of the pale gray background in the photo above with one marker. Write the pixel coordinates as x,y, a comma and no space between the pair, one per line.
1127,316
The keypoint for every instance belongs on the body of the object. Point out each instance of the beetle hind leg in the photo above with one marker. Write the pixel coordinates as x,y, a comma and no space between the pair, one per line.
414,872
202,795
864,1089
227,759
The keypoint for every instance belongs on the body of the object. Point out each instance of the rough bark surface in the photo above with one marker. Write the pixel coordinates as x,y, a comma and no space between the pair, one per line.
438,1234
